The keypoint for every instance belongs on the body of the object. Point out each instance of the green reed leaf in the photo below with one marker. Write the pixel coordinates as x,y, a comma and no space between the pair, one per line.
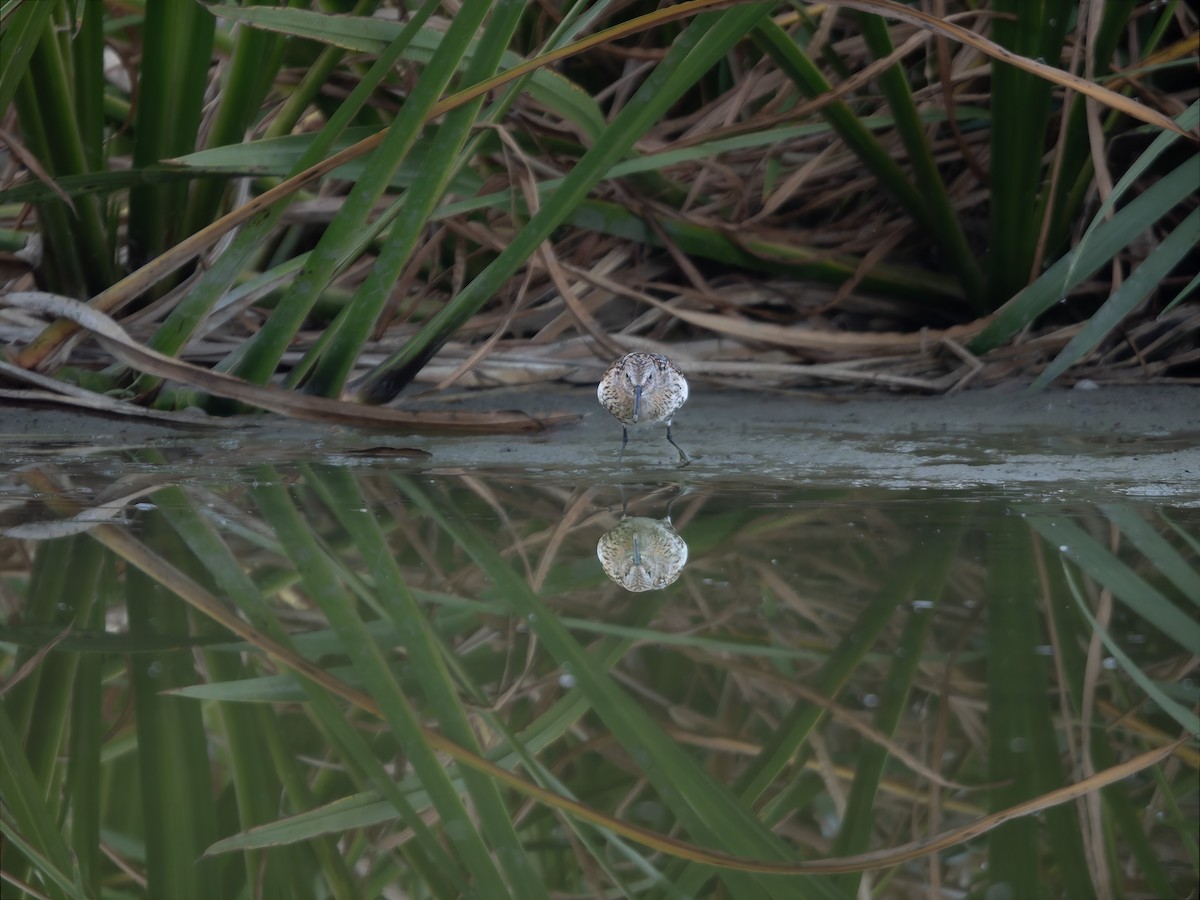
1102,566
1146,278
1187,719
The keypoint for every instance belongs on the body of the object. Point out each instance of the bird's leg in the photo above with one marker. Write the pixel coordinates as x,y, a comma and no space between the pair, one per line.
684,459
624,441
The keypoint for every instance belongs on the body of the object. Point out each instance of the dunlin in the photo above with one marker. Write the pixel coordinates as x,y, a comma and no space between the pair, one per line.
642,554
644,389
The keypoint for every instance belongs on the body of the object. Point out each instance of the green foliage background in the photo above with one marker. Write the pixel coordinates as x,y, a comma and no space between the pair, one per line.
882,150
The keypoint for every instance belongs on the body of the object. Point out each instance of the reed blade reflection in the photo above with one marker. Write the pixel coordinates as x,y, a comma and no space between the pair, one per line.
520,628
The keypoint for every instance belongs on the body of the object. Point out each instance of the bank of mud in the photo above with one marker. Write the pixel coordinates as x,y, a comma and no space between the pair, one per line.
1131,441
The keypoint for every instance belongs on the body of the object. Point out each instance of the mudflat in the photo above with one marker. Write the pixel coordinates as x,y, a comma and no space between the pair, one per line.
1123,440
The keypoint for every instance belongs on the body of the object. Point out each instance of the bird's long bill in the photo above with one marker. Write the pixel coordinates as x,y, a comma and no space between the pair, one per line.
637,551
637,402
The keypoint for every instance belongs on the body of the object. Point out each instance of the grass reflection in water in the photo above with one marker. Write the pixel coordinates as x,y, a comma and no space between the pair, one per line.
480,709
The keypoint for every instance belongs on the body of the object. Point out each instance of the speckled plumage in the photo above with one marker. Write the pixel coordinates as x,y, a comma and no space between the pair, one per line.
642,389
642,554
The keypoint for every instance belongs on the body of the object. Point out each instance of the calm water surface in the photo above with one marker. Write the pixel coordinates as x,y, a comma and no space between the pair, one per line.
775,672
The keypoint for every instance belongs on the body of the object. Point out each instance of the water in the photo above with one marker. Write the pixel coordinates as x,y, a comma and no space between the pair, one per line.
804,672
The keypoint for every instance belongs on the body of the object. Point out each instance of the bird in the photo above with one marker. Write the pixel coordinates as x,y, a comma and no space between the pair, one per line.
642,554
642,389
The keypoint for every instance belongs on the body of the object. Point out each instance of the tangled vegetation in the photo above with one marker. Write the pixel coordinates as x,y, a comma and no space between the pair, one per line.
301,680
338,201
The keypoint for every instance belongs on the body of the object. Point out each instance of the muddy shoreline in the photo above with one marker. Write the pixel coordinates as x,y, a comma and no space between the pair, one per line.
1126,441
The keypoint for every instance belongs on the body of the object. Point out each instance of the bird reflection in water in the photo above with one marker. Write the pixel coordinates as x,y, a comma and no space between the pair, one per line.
642,554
